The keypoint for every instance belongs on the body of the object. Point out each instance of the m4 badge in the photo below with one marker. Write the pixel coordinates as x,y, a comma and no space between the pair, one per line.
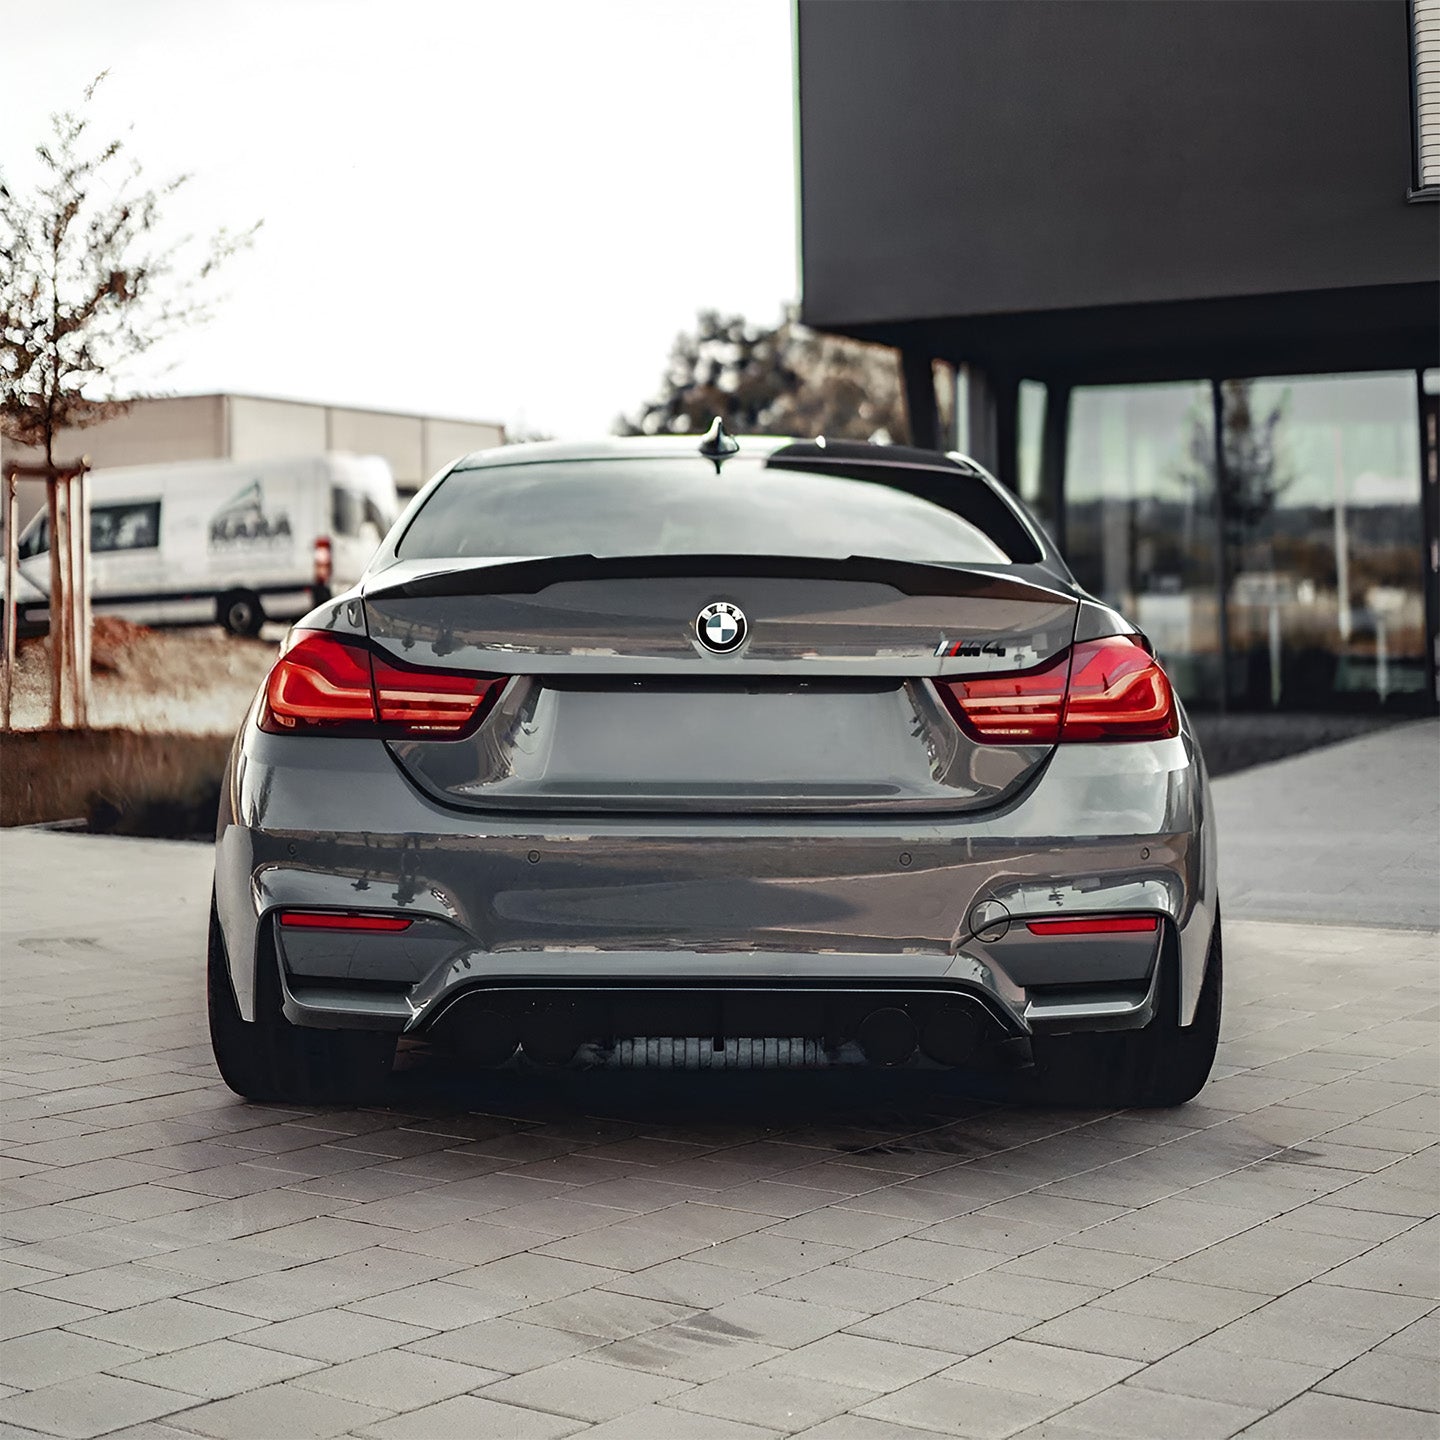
969,647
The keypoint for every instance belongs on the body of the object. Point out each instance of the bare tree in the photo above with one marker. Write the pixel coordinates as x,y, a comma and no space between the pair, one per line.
89,281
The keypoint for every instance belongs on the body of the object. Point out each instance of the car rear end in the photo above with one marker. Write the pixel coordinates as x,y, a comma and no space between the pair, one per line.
931,804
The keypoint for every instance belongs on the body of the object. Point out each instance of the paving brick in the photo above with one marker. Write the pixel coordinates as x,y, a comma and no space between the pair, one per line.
438,1305
1210,1373
1129,1410
848,1288
690,1283
953,1329
774,1321
215,1369
323,1284
278,1412
771,1398
470,1417
927,1259
956,1408
863,1361
1180,1300
1338,1418
116,1287
685,1354
863,1427
398,1380
22,1313
664,1422
774,1255
165,1325
604,1314
585,1390
508,1345
1114,1332
1012,1294
1407,1380
89,1405
1045,1370
47,1357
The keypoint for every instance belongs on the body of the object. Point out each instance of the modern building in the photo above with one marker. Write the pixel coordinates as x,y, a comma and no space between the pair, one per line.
1186,260
254,427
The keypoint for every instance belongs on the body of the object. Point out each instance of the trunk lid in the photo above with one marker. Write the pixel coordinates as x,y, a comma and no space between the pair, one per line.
617,705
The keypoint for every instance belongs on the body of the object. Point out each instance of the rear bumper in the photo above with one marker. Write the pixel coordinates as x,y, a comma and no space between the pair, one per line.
724,903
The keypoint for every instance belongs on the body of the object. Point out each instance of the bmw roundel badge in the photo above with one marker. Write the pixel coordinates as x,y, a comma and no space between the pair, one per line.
721,627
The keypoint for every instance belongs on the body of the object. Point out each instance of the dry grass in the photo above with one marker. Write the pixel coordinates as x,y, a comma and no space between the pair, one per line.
117,780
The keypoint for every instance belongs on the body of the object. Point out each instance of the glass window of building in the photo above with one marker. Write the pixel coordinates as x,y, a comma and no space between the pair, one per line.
1323,541
1140,529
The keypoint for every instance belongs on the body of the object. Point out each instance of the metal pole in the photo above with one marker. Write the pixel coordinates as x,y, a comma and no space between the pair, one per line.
52,508
75,504
82,588
64,612
1222,543
12,573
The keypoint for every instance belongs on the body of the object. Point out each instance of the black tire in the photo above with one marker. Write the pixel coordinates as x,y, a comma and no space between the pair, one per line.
271,1059
240,612
1163,1065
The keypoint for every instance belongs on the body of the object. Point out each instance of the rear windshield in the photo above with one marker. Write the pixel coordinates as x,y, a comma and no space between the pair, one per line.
682,507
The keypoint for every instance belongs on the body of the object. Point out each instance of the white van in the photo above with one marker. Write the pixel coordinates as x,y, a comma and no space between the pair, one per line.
231,541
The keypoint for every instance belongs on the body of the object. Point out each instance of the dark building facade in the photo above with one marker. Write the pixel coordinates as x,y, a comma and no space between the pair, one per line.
1186,258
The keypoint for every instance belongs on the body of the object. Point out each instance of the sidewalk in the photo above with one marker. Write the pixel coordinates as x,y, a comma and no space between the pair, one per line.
1348,835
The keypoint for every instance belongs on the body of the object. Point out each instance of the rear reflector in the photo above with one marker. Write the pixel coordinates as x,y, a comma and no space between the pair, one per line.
1099,925
326,682
1110,689
321,920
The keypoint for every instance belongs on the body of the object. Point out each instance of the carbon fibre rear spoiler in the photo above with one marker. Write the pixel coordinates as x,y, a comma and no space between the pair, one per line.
527,577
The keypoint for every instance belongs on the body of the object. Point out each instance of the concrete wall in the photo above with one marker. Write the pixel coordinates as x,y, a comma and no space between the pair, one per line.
975,158
266,429
189,427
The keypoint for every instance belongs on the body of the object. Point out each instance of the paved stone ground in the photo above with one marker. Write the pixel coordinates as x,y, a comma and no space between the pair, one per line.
1349,834
840,1256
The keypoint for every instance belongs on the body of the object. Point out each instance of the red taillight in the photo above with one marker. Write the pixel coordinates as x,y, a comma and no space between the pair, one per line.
324,920
1110,689
1118,692
326,682
440,702
324,566
318,683
1019,709
1098,925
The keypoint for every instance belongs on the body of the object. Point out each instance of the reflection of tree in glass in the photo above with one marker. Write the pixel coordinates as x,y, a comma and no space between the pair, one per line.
1256,469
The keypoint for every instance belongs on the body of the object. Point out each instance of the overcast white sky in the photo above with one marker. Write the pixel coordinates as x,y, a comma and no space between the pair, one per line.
488,210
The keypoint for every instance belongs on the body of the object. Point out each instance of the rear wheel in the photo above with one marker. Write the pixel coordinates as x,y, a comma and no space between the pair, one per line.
271,1059
1163,1065
240,612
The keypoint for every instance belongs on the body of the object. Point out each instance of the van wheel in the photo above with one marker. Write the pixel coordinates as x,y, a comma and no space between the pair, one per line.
271,1059
240,612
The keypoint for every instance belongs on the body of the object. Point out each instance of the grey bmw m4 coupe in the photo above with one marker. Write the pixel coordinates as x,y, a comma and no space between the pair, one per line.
716,754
